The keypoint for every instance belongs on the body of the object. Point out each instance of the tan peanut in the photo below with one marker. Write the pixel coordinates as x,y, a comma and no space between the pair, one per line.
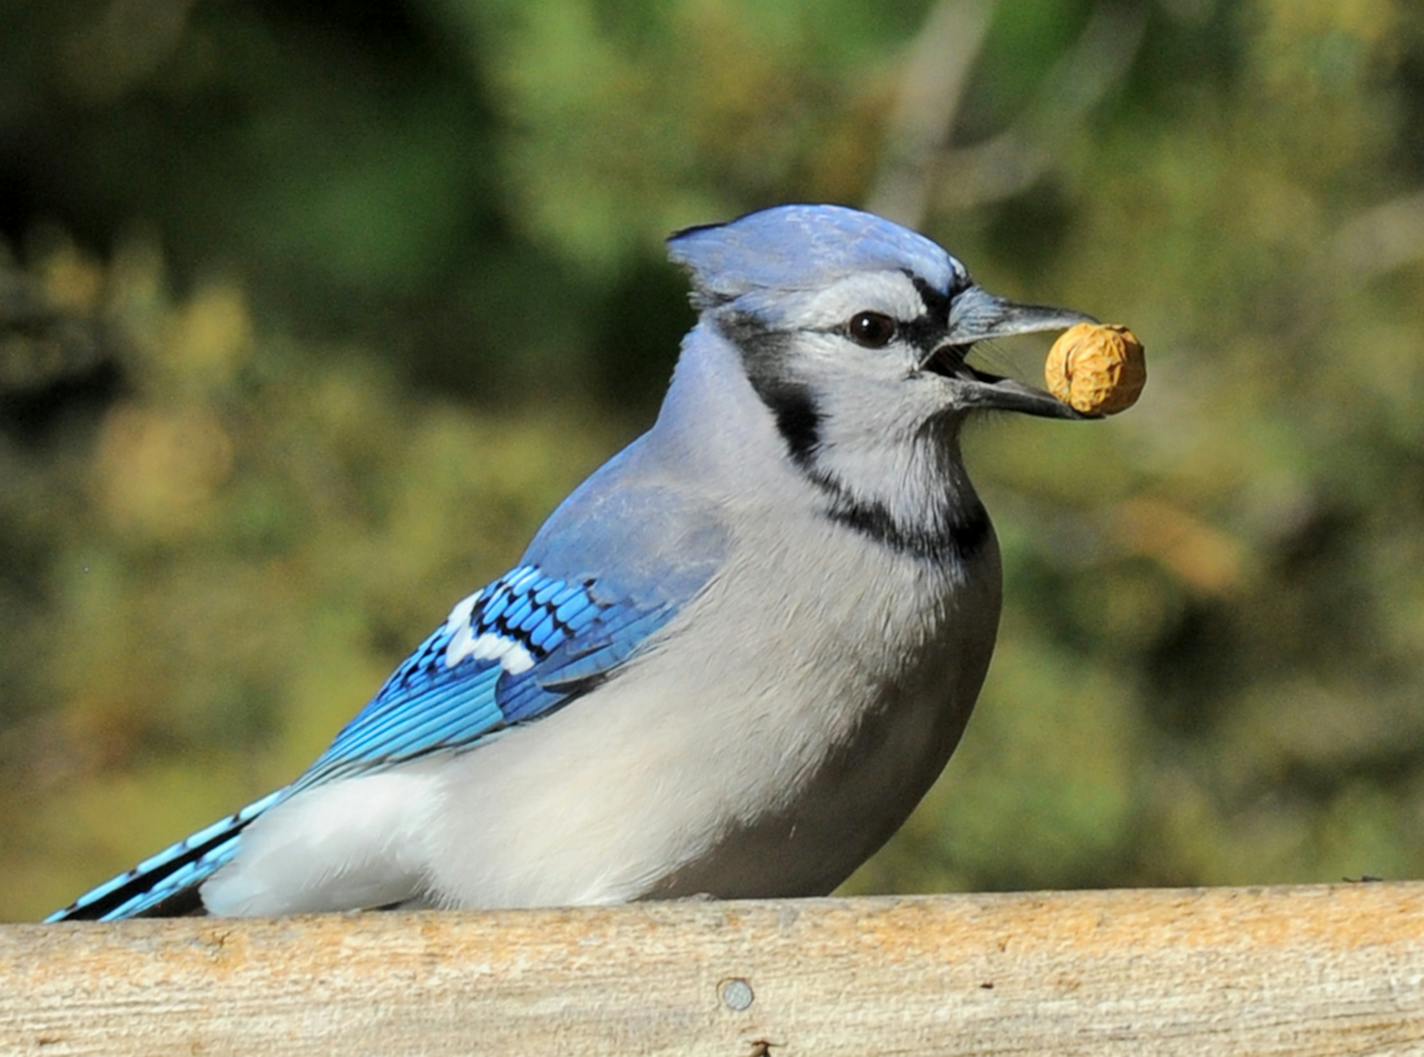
1098,369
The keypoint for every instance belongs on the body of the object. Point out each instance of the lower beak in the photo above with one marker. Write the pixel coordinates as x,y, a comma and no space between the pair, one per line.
977,315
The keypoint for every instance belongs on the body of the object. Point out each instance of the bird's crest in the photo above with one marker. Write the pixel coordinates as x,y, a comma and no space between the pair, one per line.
803,247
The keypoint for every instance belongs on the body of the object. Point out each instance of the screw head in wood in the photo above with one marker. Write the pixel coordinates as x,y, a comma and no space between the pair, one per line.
737,994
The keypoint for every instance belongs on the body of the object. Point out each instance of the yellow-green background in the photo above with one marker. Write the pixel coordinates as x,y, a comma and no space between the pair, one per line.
308,317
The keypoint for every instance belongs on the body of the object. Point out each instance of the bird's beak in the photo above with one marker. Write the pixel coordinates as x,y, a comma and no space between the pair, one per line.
976,315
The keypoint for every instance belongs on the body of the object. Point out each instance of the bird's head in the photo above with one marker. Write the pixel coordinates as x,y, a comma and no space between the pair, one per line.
847,321
853,333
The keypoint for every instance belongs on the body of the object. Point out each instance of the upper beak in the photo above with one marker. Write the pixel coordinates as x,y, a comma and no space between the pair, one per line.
976,315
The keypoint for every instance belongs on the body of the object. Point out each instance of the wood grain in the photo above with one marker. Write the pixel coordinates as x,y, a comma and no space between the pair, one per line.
1325,970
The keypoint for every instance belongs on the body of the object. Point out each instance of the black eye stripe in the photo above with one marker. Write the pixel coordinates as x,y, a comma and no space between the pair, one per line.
924,332
937,304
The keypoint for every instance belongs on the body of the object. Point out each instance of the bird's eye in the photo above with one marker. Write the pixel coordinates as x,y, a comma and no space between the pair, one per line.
874,330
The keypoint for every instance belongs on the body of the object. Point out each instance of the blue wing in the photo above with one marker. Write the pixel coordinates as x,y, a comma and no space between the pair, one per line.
524,646
521,648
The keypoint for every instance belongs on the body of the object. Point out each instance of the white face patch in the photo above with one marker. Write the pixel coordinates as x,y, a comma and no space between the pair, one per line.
890,293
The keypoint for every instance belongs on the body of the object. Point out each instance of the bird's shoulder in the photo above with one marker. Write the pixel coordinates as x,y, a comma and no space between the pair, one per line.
640,526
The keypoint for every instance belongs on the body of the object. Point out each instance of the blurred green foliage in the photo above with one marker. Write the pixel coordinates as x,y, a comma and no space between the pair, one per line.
308,317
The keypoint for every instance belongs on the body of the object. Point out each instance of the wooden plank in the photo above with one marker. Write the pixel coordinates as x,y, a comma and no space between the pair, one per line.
1302,971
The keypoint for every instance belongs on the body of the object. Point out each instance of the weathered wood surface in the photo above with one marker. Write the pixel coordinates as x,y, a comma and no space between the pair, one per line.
1301,971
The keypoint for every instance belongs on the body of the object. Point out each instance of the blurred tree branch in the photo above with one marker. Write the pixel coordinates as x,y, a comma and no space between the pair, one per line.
931,91
1381,238
924,168
1018,157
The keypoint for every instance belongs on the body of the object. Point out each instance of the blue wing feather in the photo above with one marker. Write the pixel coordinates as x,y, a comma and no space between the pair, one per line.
543,639
521,648
168,874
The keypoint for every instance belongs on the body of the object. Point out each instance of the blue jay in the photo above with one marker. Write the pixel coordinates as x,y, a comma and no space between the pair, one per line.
730,663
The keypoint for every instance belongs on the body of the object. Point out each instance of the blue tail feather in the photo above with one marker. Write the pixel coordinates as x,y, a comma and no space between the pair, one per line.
168,882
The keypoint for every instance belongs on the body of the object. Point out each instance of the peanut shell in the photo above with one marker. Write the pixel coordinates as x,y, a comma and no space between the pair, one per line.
1098,369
